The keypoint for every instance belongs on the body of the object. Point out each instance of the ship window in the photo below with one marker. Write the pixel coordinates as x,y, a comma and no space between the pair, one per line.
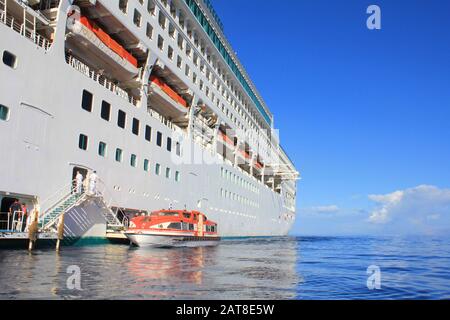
170,53
102,149
148,133
149,31
9,59
160,42
119,155
178,149
177,176
168,171
83,142
133,160
106,111
191,227
123,5
121,119
159,139
146,164
158,169
4,113
135,128
169,144
137,18
174,225
86,102
162,20
151,7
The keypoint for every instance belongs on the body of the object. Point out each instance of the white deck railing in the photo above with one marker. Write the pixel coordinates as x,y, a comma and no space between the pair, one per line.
11,23
100,79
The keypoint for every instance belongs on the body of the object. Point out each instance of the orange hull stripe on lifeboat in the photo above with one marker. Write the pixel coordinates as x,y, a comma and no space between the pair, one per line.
110,42
168,90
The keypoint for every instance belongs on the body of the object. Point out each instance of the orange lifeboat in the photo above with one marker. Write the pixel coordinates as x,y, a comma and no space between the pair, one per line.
168,90
90,42
173,228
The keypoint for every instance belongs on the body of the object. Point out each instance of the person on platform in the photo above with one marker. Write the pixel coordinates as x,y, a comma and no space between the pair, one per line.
93,183
79,183
14,211
24,217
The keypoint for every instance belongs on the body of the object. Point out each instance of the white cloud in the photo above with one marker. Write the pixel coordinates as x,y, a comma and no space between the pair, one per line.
424,207
324,209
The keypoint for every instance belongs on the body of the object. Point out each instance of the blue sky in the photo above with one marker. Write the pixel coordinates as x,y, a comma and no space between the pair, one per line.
365,115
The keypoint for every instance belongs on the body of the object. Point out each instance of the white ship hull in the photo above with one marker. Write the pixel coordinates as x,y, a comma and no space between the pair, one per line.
40,151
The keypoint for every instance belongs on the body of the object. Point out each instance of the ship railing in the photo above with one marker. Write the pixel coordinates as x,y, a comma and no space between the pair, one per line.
53,200
108,199
99,78
38,39
14,222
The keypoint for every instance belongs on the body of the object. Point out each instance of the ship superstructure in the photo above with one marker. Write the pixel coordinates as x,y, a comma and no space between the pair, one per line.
149,94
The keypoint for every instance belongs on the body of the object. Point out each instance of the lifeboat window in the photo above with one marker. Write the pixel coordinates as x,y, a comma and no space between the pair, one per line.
4,113
135,128
106,111
191,227
9,59
174,225
137,18
184,226
121,119
187,215
119,155
169,214
83,142
86,102
148,133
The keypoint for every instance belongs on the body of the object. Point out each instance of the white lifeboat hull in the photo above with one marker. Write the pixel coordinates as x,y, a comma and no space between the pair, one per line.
154,239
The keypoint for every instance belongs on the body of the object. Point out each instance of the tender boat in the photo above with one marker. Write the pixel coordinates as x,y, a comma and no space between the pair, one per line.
173,228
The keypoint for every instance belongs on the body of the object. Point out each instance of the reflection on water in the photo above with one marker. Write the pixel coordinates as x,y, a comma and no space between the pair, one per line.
272,268
241,269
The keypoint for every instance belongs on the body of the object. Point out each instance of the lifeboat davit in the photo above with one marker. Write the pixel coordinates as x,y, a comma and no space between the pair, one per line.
88,41
173,228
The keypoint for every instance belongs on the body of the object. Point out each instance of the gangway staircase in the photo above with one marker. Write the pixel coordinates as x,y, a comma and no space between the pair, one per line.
66,199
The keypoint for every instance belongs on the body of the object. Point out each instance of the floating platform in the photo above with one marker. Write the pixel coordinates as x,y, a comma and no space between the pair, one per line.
117,237
20,240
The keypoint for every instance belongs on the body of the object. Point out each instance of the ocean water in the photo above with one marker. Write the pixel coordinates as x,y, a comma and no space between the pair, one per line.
265,268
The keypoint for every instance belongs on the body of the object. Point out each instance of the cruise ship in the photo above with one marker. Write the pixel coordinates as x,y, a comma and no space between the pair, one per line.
150,95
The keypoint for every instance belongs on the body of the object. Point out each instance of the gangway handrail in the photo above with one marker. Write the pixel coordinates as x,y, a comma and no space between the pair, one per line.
65,191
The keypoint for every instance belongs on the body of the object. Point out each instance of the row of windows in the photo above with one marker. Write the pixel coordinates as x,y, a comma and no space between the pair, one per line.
187,70
236,197
87,102
83,144
230,176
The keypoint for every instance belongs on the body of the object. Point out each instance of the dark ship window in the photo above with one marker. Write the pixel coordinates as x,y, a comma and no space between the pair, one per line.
9,59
